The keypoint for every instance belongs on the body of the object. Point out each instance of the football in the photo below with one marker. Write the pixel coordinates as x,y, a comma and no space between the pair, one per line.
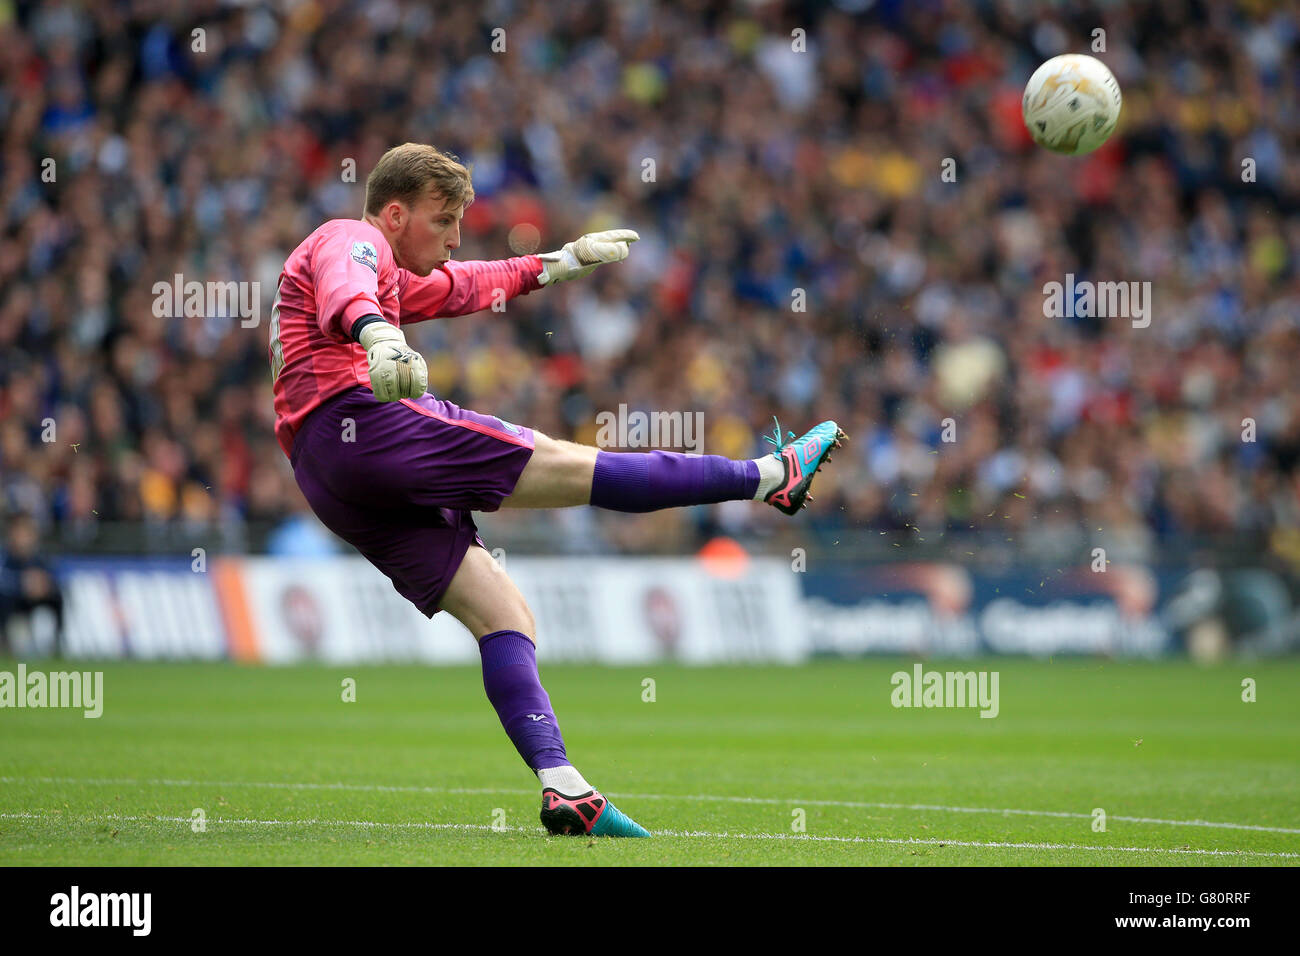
1071,104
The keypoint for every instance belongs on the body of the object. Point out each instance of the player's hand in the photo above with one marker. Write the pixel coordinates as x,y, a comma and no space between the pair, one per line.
396,370
580,257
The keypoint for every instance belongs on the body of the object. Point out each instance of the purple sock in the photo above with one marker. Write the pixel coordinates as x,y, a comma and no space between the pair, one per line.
630,481
515,690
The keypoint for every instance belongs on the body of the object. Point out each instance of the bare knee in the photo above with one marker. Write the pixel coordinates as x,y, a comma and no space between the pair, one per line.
508,614
484,599
517,617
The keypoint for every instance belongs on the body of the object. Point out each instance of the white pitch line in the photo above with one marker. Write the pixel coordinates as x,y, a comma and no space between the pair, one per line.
686,834
272,784
703,797
943,809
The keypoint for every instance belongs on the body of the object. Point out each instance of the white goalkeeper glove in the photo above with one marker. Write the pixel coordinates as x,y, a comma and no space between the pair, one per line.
580,257
396,370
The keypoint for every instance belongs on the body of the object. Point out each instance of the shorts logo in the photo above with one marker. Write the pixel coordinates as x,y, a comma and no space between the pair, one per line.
512,429
366,254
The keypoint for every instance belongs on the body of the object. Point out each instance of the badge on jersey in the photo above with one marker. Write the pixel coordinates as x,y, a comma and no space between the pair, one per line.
366,254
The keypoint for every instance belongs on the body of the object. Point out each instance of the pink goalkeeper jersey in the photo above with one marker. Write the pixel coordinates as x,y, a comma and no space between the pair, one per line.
343,271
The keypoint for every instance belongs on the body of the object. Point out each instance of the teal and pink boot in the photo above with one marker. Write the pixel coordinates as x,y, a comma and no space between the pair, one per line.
803,457
590,813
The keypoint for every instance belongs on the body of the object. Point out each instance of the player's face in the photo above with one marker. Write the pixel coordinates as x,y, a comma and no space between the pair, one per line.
432,233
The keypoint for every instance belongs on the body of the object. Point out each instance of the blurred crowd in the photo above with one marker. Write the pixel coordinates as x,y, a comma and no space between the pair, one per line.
803,253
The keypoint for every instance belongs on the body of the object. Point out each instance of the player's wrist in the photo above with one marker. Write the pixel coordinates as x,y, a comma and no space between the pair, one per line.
362,323
376,332
581,257
560,266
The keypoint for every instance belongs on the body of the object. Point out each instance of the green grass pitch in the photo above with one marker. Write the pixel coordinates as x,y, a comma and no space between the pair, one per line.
723,766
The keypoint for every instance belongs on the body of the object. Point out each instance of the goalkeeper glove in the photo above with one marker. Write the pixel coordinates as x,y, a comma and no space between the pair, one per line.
580,257
396,370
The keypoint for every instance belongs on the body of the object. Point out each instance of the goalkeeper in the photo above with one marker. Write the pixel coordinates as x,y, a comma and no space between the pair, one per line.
397,472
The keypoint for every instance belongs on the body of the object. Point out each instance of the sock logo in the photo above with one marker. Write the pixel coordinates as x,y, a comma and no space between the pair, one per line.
535,716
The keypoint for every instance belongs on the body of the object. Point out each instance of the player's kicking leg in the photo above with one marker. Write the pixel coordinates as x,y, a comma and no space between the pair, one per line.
487,602
400,481
562,474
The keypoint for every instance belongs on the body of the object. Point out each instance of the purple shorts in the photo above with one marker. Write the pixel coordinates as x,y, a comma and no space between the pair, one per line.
398,480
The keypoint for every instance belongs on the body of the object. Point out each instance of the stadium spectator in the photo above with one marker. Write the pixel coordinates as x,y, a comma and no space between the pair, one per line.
27,584
800,251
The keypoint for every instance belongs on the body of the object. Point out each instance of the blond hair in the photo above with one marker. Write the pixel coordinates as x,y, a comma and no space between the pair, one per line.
405,172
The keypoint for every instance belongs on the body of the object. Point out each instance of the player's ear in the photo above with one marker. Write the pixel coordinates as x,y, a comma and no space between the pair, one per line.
394,214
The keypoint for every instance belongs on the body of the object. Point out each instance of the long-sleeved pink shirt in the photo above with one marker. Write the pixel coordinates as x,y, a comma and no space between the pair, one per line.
343,271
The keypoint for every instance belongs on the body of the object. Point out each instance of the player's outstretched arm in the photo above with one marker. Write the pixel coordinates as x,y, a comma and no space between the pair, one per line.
580,257
460,288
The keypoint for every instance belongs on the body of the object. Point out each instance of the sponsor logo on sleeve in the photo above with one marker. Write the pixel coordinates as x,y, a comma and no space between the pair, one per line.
366,254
